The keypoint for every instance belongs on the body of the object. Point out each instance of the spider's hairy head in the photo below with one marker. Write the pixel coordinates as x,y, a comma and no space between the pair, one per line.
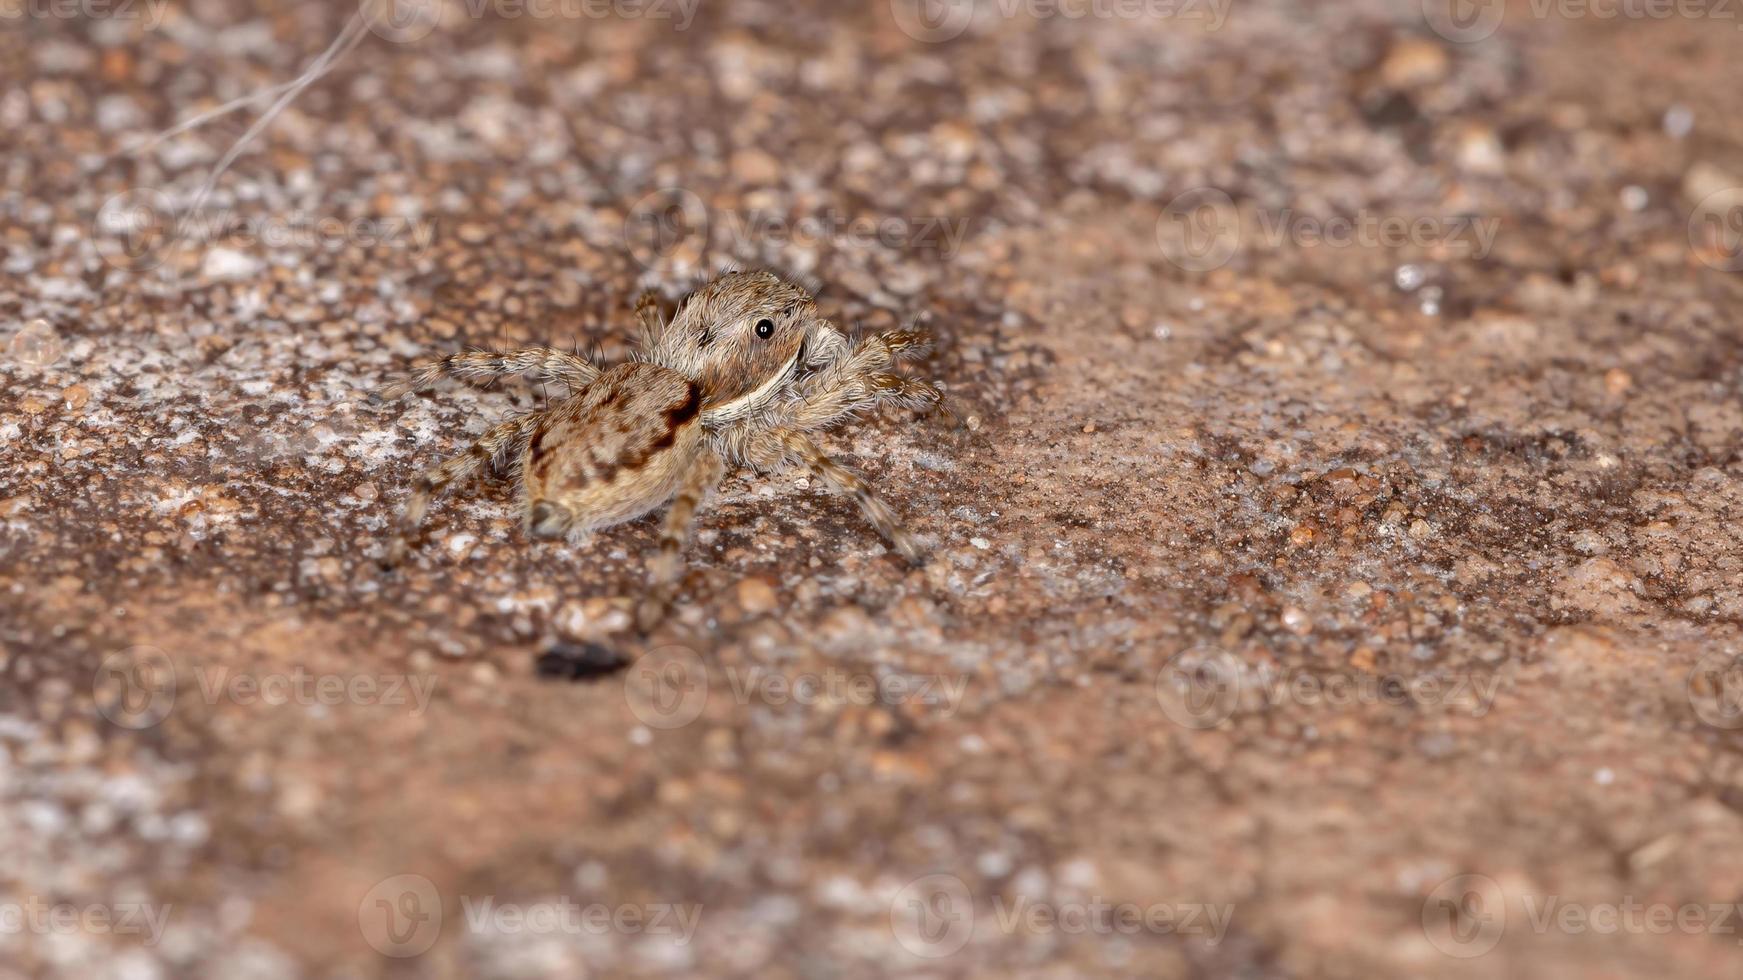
743,338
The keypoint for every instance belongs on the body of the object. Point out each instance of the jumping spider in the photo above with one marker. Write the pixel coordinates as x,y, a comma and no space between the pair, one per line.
743,371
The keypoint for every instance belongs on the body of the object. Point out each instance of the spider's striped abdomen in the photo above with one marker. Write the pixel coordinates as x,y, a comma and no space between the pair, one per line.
613,451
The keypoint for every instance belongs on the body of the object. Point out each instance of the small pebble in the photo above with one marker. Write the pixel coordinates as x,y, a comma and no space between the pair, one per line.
227,263
1480,150
1413,62
1436,745
756,167
1679,121
756,596
1296,621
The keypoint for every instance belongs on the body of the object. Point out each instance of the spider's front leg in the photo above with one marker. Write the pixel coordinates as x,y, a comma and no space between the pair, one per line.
862,378
477,367
770,449
667,568
468,464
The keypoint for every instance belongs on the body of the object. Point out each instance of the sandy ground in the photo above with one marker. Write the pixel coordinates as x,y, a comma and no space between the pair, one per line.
1334,559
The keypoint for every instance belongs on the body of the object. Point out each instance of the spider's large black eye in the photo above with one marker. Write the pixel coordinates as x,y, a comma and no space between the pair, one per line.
765,328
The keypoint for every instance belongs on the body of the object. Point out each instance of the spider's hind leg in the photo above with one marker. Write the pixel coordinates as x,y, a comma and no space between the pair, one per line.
481,454
477,367
666,569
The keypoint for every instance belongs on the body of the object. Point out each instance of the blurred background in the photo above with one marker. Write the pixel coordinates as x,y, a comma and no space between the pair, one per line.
1335,552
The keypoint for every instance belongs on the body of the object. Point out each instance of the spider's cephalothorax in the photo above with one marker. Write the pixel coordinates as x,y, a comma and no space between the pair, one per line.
743,371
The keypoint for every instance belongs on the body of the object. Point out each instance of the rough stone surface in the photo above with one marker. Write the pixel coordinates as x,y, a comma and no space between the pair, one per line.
1271,571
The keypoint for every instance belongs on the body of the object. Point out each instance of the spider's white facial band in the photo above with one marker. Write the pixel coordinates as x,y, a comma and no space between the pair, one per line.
745,404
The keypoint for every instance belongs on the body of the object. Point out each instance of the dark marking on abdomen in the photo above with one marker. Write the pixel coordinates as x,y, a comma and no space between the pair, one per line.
686,410
677,415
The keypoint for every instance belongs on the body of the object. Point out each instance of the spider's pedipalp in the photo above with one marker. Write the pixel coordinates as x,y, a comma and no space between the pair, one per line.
870,355
912,393
477,367
853,386
827,346
906,345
